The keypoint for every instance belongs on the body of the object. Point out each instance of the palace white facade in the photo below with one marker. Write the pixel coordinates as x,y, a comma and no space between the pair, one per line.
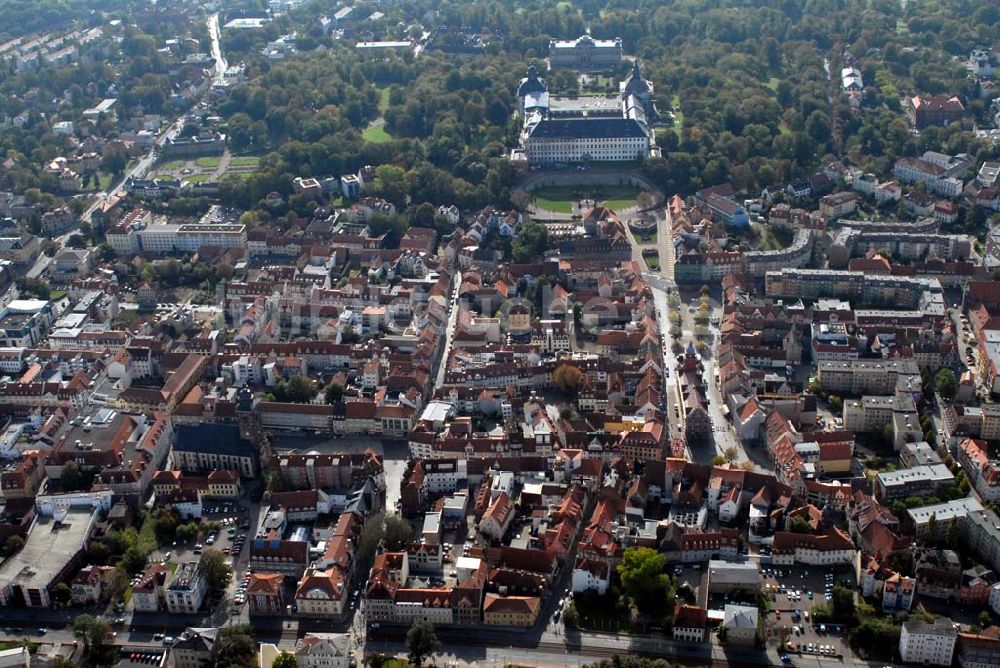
585,53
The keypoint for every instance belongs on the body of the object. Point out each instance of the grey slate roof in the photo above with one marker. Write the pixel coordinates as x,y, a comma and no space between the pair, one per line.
588,128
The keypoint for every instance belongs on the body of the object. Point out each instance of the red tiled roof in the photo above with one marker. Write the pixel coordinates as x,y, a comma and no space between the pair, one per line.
690,617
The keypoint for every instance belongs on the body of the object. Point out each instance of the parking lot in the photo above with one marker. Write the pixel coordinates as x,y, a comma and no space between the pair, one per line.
795,591
230,539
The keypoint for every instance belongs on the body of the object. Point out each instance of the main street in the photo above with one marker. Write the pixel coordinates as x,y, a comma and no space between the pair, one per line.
723,436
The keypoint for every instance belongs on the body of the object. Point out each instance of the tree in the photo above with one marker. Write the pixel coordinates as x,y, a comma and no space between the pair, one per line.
421,643
61,593
71,479
945,383
985,619
12,545
234,648
798,524
77,241
285,660
186,532
398,533
113,584
215,569
718,460
932,526
531,242
571,617
133,561
297,389
95,634
334,393
567,378
731,454
165,523
843,602
377,660
274,482
954,535
643,578
98,553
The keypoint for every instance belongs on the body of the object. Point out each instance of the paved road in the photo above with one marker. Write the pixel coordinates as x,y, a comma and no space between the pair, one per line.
220,61
492,648
442,362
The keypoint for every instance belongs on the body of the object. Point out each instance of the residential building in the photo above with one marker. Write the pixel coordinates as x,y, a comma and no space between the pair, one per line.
520,611
916,481
740,624
831,548
149,594
689,623
264,594
186,592
983,472
926,110
321,593
928,643
323,650
979,650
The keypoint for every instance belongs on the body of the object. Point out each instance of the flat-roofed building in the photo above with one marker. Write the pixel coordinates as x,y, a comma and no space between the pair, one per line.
726,576
917,481
928,643
186,591
54,546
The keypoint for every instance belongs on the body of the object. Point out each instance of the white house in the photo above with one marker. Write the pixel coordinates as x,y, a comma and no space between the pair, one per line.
825,550
187,591
591,574
323,650
689,623
497,517
994,599
730,504
321,593
928,643
748,421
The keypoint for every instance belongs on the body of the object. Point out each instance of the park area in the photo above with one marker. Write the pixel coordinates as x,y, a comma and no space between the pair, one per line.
207,169
563,199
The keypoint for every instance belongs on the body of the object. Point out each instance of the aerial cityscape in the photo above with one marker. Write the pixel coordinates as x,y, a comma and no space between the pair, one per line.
608,333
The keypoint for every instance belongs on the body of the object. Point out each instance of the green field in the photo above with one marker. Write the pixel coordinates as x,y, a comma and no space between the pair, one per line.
383,99
173,165
376,134
245,161
652,259
645,236
675,102
207,163
560,199
198,178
